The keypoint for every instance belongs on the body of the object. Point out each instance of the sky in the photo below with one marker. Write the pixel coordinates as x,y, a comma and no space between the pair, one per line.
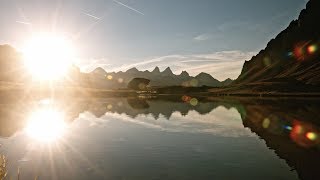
213,36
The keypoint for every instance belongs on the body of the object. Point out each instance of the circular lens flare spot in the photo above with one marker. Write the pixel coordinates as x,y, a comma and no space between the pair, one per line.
109,107
266,123
312,49
311,136
194,101
120,80
109,77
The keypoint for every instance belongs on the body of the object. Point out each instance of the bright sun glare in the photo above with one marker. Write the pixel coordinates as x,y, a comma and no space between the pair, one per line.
48,56
46,125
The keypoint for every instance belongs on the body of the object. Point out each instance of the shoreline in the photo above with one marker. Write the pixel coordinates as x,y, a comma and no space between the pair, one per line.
12,89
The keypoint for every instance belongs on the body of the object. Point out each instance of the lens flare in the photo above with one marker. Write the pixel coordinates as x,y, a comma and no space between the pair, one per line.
299,53
311,136
304,134
303,51
267,61
266,123
109,107
120,80
290,54
109,77
194,101
289,128
186,98
194,82
312,49
297,129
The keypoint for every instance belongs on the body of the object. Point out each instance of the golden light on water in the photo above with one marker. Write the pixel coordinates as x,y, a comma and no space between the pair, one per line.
46,125
48,56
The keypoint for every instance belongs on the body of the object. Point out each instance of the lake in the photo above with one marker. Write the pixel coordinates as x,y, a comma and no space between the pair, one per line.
164,137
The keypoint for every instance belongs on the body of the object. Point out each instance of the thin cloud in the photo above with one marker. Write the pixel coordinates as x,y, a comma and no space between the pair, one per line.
23,22
221,65
90,15
202,37
157,60
131,8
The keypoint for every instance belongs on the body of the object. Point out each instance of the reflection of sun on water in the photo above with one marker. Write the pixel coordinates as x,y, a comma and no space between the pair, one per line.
46,125
48,56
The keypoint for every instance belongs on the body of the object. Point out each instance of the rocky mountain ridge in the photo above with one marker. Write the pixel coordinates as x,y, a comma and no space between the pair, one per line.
157,78
292,55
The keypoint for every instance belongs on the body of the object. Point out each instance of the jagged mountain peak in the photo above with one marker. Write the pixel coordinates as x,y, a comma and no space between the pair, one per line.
184,74
281,59
228,79
132,70
205,79
167,71
156,70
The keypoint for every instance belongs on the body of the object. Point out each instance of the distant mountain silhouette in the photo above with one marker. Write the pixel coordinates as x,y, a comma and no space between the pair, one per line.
156,70
99,71
206,79
289,63
167,72
292,56
12,69
100,78
11,65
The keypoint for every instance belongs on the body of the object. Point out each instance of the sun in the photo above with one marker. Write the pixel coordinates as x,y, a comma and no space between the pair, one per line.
48,56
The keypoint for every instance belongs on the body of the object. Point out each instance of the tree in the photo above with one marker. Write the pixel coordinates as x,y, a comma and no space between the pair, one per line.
138,84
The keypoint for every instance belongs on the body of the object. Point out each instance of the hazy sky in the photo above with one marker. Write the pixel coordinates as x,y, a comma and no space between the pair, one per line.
214,36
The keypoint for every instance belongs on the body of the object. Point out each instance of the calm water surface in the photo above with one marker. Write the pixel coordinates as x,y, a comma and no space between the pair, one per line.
161,138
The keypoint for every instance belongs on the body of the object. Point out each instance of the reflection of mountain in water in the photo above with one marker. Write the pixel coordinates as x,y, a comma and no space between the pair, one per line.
14,113
290,127
156,107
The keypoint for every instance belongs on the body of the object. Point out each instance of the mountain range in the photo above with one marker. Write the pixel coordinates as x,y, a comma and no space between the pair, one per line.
289,63
100,78
12,70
